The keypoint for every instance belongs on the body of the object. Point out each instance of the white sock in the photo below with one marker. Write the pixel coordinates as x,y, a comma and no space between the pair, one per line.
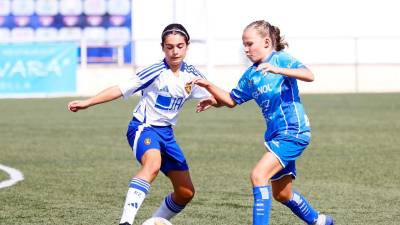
164,212
137,191
168,208
321,220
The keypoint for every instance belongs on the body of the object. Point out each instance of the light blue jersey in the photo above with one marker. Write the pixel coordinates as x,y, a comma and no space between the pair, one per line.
277,96
288,131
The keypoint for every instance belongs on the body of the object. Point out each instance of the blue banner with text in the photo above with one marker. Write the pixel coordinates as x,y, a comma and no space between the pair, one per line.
38,68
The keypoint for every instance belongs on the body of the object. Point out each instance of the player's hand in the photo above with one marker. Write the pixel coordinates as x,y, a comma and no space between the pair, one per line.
199,81
266,67
75,106
205,104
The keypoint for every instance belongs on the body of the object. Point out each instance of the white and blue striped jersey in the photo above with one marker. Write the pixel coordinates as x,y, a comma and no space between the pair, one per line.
163,93
277,96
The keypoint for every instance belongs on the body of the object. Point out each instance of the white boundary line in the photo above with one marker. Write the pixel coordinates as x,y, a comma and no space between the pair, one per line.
15,176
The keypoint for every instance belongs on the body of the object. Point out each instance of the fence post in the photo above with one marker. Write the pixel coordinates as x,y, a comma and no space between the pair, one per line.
120,55
83,53
356,65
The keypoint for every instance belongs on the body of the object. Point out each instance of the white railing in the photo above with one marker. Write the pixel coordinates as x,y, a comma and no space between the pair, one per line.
118,58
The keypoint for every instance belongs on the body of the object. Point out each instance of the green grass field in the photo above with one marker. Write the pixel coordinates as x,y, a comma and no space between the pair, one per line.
77,165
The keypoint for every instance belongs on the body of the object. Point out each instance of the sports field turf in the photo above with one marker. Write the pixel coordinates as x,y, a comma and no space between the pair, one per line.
77,165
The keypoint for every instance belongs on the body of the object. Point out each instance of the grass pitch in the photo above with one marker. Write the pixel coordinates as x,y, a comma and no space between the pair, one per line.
77,165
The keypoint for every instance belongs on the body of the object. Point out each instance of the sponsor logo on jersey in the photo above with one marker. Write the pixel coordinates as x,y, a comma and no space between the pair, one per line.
164,89
169,103
262,90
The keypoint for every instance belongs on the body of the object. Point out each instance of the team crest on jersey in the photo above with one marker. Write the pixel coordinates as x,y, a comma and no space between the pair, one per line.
188,88
147,141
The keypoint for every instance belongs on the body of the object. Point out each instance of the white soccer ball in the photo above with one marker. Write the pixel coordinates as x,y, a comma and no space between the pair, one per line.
156,221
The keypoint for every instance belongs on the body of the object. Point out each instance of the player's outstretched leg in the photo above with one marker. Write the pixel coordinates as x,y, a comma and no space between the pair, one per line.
302,208
299,206
183,193
138,189
168,208
261,205
267,166
324,220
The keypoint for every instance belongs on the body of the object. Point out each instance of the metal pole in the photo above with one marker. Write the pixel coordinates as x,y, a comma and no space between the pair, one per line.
120,55
174,11
132,41
356,65
83,53
209,42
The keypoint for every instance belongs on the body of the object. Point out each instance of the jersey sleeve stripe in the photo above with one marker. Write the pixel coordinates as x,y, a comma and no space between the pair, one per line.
152,73
148,69
147,83
236,97
191,69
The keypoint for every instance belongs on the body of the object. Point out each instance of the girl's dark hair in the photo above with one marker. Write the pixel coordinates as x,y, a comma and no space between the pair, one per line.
265,29
175,28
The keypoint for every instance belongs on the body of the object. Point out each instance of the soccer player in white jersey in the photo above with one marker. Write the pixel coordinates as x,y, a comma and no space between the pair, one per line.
272,83
164,89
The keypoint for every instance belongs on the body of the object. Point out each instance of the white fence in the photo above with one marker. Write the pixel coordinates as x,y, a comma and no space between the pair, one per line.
340,64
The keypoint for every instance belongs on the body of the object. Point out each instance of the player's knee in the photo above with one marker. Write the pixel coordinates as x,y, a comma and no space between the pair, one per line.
185,195
154,169
282,196
151,169
257,178
188,194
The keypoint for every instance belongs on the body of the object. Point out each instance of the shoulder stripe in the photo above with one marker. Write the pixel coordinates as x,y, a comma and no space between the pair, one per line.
154,72
148,69
147,83
193,70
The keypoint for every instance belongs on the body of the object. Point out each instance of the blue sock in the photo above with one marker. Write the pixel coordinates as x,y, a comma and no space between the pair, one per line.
302,208
261,205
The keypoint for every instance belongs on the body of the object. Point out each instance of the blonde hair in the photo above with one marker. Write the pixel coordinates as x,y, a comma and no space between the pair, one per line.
265,29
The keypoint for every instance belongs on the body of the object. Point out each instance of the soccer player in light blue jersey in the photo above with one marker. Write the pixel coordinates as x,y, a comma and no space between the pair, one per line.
164,90
272,82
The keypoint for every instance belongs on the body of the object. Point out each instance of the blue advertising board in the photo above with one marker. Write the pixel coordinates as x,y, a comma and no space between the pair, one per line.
48,68
105,25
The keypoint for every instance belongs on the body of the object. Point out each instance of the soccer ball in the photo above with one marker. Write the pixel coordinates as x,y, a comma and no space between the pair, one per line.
156,221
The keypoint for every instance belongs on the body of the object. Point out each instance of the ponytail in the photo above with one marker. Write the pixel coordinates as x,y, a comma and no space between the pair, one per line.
279,42
266,29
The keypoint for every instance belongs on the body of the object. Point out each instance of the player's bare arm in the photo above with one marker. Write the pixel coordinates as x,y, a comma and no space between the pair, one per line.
106,95
222,97
206,103
303,74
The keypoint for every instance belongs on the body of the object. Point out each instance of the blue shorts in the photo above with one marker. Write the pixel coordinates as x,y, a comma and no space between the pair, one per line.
287,149
142,137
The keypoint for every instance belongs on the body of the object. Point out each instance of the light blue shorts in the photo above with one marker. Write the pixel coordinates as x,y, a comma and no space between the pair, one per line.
287,149
142,137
